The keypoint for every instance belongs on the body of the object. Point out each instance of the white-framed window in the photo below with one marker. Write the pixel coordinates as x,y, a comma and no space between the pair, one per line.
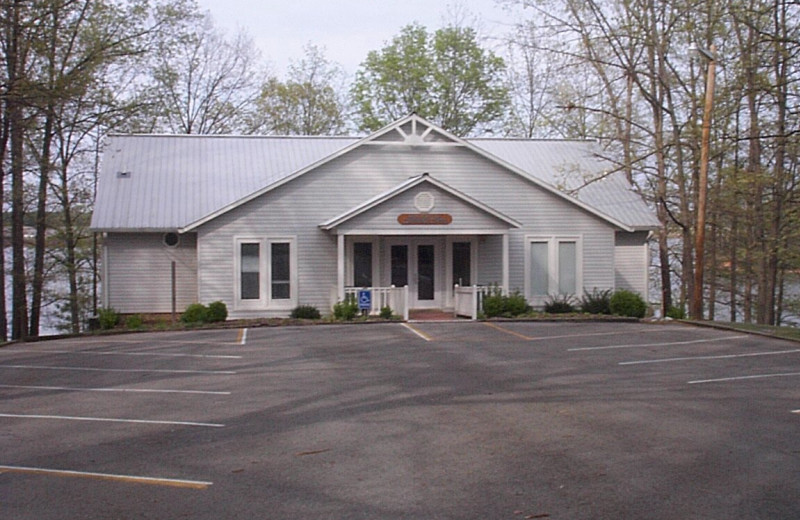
553,266
265,273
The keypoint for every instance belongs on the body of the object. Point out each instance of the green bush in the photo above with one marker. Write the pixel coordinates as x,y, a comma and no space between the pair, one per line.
386,313
559,304
134,321
345,310
515,304
217,311
107,318
676,313
306,312
598,302
195,313
493,304
627,303
496,304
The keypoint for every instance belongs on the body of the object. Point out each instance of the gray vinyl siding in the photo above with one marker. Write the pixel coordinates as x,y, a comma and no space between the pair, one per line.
631,262
465,216
490,260
139,272
297,208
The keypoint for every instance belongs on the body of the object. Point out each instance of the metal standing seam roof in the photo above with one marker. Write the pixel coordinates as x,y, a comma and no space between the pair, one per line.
575,166
176,180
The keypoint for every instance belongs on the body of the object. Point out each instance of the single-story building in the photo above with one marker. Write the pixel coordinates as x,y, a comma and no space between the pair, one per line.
265,224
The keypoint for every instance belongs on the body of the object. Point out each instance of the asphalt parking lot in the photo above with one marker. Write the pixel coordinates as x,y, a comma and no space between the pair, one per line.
424,420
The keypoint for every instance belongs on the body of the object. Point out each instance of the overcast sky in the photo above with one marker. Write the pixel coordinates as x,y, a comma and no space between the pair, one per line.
347,29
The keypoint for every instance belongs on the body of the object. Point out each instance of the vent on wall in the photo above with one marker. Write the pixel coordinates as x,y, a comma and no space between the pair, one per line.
123,175
171,239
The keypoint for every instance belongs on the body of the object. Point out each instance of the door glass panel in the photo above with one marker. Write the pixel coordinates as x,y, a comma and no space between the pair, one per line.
281,283
461,263
250,268
362,264
400,265
425,272
539,274
567,268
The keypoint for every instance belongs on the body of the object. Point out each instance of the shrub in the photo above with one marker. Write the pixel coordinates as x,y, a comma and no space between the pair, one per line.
627,303
134,321
598,302
386,313
195,313
217,311
306,312
559,304
493,304
676,313
107,318
515,304
345,310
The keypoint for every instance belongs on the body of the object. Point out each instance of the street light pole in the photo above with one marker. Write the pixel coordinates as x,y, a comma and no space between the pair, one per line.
702,187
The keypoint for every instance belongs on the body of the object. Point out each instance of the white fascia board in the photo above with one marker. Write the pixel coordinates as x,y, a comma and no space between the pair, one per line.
211,216
407,185
134,230
552,189
370,203
483,153
420,232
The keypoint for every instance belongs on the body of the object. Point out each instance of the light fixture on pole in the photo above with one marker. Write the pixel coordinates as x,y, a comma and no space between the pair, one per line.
696,310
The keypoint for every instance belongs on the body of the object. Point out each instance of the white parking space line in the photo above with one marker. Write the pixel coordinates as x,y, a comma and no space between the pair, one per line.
169,482
102,419
795,411
139,370
742,378
592,334
242,337
124,390
723,356
102,353
667,344
108,341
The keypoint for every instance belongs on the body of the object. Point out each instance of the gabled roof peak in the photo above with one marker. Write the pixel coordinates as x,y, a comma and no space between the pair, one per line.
413,130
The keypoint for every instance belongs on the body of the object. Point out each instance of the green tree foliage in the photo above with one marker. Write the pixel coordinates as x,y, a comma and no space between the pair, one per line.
309,102
446,77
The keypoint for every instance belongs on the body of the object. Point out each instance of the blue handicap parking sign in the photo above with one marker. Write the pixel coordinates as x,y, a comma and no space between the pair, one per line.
364,300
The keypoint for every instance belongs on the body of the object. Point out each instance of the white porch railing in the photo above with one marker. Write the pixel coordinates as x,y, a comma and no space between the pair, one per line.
394,297
468,301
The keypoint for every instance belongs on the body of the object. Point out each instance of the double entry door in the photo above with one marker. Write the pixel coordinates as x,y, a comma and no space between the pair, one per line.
417,262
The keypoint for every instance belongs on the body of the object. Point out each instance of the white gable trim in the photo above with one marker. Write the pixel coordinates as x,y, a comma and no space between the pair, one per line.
396,126
405,186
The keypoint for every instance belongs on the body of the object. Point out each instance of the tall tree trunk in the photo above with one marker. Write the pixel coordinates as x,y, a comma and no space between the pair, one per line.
3,148
41,224
16,120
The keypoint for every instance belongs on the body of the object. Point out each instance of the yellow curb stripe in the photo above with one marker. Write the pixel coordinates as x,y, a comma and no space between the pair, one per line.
501,329
187,484
418,332
241,337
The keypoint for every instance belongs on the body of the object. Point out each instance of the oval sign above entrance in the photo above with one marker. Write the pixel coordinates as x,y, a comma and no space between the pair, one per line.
424,219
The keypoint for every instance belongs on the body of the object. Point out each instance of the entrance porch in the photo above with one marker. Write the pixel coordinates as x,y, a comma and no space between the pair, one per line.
416,272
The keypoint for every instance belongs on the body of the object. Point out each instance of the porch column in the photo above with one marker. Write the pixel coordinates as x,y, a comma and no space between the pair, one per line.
340,267
505,263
